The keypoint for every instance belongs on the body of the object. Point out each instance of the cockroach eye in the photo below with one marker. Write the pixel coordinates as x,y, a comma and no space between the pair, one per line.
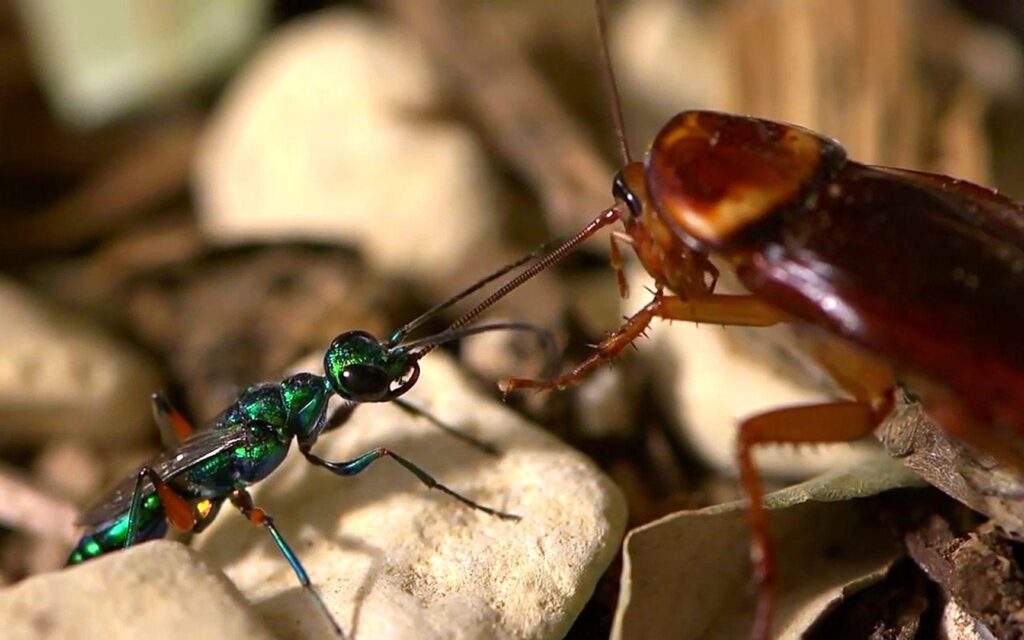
622,193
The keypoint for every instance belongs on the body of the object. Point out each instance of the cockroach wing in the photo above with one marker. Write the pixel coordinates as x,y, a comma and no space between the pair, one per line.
922,269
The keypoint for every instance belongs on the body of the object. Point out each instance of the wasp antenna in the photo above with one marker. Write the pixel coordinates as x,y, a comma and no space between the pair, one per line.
601,7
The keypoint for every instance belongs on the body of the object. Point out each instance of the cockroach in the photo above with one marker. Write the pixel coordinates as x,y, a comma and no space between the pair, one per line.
890,277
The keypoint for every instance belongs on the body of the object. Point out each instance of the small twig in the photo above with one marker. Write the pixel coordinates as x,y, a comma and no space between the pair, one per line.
151,170
527,122
25,508
978,571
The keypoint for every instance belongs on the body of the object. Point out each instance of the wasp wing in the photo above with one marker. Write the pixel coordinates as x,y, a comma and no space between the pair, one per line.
199,447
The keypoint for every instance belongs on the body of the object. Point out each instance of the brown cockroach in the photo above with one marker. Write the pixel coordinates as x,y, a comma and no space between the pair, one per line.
891,277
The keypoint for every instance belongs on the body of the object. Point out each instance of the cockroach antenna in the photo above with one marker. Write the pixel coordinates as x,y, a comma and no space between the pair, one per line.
610,83
607,217
398,336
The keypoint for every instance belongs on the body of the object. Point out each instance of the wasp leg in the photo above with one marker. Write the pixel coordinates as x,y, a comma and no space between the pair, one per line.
243,502
822,423
418,412
179,512
357,465
174,427
340,415
722,309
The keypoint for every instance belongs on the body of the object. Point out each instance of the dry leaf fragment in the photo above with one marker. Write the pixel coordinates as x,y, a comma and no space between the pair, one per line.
689,573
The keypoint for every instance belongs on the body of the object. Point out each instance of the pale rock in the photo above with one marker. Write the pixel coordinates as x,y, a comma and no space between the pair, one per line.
327,135
61,376
709,384
395,560
159,590
102,59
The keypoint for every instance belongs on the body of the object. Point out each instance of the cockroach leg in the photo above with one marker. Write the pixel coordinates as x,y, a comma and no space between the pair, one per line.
822,423
736,310
606,351
179,511
618,263
727,310
863,376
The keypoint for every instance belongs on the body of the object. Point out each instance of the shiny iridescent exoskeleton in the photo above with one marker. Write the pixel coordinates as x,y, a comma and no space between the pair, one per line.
187,485
248,442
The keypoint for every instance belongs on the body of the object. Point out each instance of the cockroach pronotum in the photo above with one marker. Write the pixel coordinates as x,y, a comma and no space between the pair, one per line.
892,277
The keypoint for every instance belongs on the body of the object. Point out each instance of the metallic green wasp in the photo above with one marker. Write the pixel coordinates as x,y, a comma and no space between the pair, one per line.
187,484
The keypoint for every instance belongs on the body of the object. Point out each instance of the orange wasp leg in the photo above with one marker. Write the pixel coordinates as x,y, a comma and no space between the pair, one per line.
736,310
177,508
174,427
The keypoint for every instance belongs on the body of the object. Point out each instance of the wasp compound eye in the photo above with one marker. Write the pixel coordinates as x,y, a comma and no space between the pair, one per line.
622,193
353,364
364,382
355,339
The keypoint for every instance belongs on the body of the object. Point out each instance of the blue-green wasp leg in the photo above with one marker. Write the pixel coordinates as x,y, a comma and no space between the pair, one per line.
133,510
243,502
357,465
413,410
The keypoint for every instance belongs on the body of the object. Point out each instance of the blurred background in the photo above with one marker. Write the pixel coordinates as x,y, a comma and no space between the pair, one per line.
194,194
